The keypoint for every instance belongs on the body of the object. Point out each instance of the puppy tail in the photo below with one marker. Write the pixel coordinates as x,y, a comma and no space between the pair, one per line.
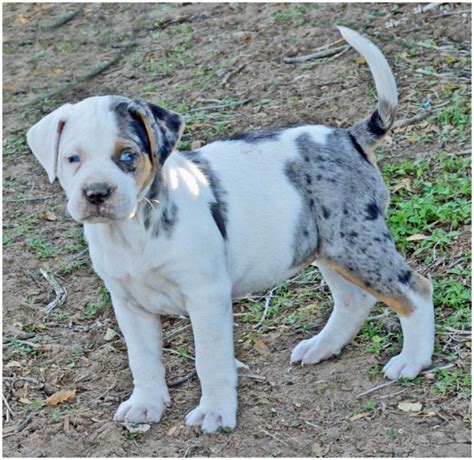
369,131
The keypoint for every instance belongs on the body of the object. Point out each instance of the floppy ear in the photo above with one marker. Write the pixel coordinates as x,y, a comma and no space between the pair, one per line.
163,128
43,139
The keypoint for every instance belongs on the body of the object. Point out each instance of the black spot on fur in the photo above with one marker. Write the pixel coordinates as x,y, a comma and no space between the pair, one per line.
255,137
220,203
404,277
372,210
218,219
326,212
358,147
375,125
377,239
353,234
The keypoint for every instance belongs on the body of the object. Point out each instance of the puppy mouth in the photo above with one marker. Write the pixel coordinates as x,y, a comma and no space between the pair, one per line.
99,214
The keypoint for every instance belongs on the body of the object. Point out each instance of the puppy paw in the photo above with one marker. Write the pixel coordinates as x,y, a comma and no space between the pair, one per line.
140,409
210,419
314,350
404,366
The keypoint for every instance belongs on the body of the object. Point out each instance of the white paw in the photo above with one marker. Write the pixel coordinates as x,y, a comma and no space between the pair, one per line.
210,419
141,409
314,350
404,366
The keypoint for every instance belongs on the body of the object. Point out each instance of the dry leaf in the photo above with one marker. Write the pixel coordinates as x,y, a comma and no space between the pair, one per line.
137,428
13,364
48,215
261,347
404,183
410,407
172,430
417,237
60,397
110,334
360,60
358,416
24,401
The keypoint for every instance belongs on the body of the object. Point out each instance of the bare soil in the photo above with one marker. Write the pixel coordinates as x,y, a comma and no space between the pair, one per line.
179,57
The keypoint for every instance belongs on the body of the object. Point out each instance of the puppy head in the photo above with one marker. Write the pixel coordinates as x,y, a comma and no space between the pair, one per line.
105,151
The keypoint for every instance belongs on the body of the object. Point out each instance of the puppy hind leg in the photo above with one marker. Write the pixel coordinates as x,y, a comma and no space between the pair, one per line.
351,308
409,294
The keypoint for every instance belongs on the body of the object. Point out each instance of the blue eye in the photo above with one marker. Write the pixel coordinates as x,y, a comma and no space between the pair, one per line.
73,158
127,157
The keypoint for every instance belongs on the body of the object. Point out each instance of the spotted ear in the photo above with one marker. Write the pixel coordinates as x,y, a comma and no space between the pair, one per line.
163,128
43,139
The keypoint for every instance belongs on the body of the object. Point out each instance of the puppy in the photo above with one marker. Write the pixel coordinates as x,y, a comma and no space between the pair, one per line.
184,232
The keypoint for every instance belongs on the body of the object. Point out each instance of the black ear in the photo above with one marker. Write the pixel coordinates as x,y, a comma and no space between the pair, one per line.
163,128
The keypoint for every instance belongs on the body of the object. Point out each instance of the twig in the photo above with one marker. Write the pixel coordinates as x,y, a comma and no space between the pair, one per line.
24,423
230,74
66,87
171,334
78,255
268,297
450,13
61,293
9,409
274,437
391,382
457,331
221,106
26,379
63,19
251,376
408,121
25,342
184,355
390,395
180,380
317,55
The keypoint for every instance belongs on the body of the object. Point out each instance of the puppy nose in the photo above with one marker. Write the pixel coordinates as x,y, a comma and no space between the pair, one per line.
97,193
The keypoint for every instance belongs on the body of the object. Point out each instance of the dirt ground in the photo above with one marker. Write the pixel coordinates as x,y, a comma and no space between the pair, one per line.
185,56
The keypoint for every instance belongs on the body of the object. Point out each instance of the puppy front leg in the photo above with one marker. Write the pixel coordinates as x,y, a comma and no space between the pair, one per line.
142,333
211,318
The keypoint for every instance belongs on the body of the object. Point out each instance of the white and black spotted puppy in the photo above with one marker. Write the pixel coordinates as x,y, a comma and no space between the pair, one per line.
184,232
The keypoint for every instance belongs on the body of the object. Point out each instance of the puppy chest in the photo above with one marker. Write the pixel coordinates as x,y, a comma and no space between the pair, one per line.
151,292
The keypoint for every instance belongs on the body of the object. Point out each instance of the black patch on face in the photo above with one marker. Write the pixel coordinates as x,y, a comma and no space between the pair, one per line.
256,137
404,277
372,210
375,125
358,147
130,126
219,206
218,219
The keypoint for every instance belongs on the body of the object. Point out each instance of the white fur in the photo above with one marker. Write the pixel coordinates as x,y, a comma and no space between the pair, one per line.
381,72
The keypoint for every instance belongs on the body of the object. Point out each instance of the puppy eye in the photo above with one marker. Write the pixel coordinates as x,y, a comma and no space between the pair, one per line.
73,158
127,157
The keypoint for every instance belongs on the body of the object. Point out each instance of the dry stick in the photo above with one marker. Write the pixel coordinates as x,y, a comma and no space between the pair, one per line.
268,297
391,382
317,55
9,409
180,380
274,437
450,13
457,331
63,19
408,121
221,106
61,293
184,355
24,423
229,75
94,72
171,334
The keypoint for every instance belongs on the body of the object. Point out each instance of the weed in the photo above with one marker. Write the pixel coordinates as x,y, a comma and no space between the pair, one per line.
94,308
41,248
